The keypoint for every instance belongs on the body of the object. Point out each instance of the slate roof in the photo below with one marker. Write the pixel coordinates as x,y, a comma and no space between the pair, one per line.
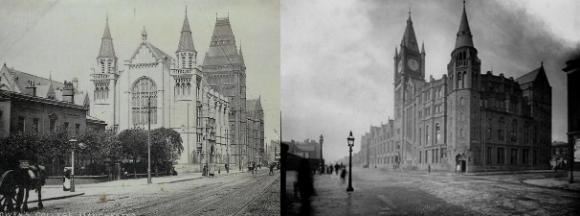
107,50
464,37
223,48
186,39
44,86
409,39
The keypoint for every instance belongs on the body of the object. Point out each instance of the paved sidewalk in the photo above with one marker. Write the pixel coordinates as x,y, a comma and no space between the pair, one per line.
54,192
559,183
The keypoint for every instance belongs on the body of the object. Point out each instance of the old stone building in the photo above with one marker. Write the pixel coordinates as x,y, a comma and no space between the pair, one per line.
255,130
467,120
225,71
164,91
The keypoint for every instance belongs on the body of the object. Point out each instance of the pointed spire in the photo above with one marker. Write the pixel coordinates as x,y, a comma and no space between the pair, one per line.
107,50
422,47
241,53
186,39
409,40
396,52
144,34
464,37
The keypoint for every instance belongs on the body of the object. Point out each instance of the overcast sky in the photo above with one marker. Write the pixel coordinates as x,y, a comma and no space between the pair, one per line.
337,56
64,37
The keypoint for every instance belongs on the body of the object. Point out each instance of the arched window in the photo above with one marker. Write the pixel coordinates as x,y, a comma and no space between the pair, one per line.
437,133
144,97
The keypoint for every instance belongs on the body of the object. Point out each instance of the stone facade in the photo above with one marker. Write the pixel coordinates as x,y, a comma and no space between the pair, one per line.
465,121
255,130
161,90
35,105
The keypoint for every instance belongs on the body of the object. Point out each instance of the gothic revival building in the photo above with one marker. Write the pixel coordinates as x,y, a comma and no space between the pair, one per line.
225,71
466,121
161,90
255,133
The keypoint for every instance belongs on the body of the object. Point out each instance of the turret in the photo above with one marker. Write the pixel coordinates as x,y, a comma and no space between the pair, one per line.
107,60
186,53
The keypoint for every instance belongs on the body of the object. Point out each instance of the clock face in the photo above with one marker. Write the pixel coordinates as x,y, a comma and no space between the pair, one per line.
413,64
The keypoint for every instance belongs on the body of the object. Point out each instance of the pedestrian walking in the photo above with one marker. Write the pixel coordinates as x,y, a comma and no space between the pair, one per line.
429,169
336,168
271,169
343,175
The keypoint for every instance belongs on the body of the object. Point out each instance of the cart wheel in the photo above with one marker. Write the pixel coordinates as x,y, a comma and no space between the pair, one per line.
8,192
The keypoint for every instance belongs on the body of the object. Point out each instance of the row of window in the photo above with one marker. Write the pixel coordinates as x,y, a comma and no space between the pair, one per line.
22,126
437,155
183,57
516,156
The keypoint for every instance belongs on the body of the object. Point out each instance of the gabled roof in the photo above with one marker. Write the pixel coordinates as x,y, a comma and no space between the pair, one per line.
44,87
254,104
158,54
22,79
533,75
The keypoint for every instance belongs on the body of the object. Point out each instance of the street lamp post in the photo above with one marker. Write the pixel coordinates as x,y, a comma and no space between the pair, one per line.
72,161
350,142
149,140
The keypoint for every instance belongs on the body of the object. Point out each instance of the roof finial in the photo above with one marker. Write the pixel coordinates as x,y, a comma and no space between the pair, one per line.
186,10
107,18
542,63
144,34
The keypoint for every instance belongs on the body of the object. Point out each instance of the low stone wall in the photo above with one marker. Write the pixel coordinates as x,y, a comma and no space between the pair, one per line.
57,180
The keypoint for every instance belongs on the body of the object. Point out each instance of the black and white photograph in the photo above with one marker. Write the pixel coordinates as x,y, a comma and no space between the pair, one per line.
444,107
139,107
289,107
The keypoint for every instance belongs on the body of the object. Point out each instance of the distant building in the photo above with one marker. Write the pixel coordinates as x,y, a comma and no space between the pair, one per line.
572,71
560,149
466,121
34,105
255,130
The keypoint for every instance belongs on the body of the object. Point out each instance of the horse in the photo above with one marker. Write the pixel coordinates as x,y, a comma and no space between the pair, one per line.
17,183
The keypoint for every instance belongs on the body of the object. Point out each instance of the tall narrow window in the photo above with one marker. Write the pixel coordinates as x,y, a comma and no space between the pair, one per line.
500,155
488,155
35,123
20,127
144,100
437,133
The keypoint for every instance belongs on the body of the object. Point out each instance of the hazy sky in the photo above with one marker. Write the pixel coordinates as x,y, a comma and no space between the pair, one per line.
64,37
337,56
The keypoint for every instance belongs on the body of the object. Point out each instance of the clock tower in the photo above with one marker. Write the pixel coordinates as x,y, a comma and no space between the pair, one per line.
409,61
409,64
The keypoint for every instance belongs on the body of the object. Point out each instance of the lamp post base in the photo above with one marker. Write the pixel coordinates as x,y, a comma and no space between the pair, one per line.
349,189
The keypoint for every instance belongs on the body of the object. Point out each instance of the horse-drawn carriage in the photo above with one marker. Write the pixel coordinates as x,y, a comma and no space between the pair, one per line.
15,183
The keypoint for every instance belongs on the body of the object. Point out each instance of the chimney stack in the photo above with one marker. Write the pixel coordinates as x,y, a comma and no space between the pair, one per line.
68,92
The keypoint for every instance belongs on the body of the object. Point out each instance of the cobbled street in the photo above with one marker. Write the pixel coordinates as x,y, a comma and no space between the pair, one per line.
380,192
233,194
